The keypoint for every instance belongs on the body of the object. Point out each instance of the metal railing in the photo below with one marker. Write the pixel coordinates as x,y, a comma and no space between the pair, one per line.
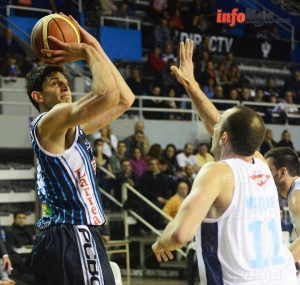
125,188
141,109
126,20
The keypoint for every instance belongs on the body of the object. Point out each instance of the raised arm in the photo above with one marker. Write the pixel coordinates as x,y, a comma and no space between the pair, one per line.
104,94
207,112
126,95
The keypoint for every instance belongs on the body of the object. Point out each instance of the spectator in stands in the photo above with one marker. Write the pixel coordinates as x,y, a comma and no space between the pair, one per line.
154,184
172,31
209,89
221,74
155,151
138,87
274,34
169,156
294,85
136,83
140,126
157,9
155,104
110,141
229,61
268,142
136,140
219,94
171,104
187,157
115,159
233,95
269,117
9,46
161,33
286,140
18,234
245,94
64,6
209,72
122,12
199,24
168,54
177,20
263,33
137,163
169,78
289,107
172,206
102,165
210,11
156,63
259,93
234,75
270,89
107,7
126,175
196,7
206,45
131,5
203,156
190,175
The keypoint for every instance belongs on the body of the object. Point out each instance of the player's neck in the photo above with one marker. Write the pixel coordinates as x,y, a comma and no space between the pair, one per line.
230,154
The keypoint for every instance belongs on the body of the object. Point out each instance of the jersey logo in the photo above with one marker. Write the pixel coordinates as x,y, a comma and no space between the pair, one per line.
260,179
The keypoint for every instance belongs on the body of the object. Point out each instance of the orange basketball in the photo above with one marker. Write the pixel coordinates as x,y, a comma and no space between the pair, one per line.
53,25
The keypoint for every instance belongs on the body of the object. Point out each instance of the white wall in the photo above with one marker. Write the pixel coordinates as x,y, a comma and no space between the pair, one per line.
15,132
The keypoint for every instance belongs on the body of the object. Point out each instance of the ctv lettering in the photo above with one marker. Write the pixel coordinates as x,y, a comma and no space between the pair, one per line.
88,196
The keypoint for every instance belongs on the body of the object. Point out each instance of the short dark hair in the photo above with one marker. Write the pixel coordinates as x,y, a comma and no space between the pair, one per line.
284,157
96,141
246,129
119,142
35,79
124,160
18,213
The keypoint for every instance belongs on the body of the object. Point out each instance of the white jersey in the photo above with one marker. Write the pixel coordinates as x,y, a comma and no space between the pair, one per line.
244,245
295,187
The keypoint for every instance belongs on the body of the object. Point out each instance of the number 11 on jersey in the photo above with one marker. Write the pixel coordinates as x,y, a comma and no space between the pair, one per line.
260,261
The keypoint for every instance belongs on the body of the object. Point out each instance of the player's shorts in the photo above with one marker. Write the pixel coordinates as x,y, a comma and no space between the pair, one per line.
70,255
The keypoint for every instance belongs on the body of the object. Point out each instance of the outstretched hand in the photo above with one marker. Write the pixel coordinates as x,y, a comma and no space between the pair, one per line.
66,52
185,72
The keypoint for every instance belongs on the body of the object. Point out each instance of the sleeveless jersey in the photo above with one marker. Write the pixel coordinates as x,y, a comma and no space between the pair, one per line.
244,245
67,184
295,187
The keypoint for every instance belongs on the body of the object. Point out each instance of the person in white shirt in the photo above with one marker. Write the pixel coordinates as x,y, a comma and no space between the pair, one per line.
186,157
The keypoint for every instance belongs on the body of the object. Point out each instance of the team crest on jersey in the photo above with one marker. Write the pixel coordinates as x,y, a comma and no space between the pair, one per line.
260,179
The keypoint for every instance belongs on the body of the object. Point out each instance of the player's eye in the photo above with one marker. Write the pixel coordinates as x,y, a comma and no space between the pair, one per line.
55,83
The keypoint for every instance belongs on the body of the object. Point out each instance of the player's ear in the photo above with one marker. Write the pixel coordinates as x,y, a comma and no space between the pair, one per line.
37,96
224,137
283,172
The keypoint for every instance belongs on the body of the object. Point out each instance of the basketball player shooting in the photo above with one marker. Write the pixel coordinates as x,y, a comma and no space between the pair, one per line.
233,207
69,249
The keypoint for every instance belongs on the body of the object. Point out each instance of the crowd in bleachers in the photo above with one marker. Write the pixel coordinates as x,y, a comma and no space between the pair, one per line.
155,172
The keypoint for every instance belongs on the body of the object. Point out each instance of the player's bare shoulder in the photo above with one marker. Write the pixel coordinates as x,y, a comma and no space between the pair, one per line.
219,171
